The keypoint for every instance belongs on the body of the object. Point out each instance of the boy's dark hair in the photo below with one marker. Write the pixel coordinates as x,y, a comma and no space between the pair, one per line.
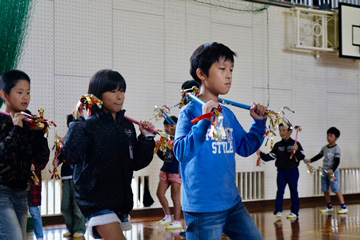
205,55
335,131
10,78
103,81
173,118
189,84
289,127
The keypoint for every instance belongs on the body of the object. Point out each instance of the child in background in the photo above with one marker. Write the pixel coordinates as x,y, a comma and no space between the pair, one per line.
287,170
34,201
331,154
74,220
105,151
169,176
20,147
188,85
211,201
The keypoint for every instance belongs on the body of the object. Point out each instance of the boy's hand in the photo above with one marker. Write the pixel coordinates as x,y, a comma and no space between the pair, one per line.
56,163
208,107
258,152
257,111
32,168
295,147
144,126
307,161
331,171
17,119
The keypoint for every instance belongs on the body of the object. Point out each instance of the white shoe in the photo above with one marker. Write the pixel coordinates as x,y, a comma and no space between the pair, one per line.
78,235
164,221
291,216
278,215
327,210
342,211
174,225
67,234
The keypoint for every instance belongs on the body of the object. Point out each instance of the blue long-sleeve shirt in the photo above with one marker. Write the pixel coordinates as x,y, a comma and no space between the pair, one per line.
208,166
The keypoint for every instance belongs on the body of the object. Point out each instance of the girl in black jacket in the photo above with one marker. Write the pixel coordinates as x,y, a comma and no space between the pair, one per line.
105,151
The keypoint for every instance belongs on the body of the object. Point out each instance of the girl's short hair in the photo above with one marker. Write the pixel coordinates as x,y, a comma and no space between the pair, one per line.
10,78
106,80
103,81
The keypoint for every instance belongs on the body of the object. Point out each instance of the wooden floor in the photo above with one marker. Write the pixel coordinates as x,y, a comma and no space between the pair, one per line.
311,225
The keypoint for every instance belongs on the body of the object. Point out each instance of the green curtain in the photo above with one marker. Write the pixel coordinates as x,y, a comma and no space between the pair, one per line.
14,16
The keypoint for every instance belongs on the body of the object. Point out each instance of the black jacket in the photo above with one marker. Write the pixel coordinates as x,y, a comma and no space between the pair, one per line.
19,148
104,155
281,152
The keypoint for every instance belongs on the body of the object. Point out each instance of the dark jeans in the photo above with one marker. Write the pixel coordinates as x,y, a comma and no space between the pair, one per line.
290,177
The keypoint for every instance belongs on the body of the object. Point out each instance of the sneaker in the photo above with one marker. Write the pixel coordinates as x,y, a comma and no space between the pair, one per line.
78,235
125,223
327,210
278,223
164,221
67,234
174,225
342,211
291,216
278,215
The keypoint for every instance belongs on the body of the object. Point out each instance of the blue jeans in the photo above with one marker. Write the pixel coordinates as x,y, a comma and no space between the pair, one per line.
37,221
326,183
13,213
236,223
291,177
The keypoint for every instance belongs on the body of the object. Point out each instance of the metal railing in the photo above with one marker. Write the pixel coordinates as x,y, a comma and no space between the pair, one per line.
251,185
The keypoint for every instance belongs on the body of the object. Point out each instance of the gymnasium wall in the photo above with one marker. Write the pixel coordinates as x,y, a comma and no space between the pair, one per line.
150,42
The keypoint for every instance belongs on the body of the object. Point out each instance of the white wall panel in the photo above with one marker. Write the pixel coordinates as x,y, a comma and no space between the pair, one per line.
309,101
83,36
342,81
155,7
38,62
231,17
343,105
198,26
176,53
68,90
139,57
279,60
260,49
38,58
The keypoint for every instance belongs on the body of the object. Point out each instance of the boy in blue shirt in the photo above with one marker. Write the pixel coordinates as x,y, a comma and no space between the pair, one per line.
211,201
331,154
